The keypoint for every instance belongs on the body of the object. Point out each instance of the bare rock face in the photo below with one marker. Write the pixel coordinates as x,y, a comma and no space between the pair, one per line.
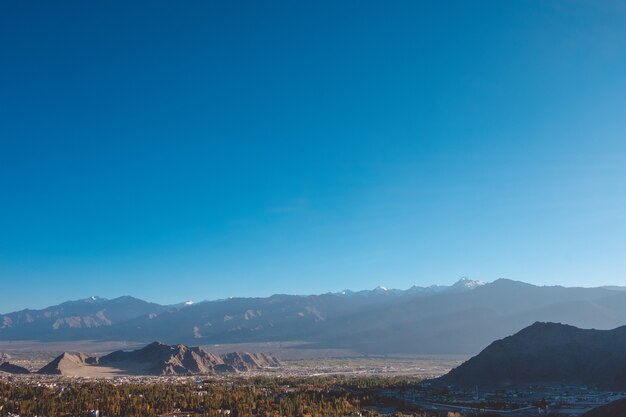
161,359
244,361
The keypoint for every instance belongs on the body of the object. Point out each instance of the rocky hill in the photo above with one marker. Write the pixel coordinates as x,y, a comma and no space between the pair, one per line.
12,368
547,353
159,359
67,363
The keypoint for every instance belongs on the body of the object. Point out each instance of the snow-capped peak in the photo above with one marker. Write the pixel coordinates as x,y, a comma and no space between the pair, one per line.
380,288
469,284
188,303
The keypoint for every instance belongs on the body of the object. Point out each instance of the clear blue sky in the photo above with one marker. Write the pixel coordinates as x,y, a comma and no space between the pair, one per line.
200,150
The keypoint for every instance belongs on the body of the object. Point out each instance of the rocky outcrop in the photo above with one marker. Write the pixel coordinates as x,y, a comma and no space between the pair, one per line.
244,361
161,359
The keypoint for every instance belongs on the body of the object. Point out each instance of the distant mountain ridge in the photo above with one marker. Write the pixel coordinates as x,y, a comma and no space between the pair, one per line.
547,353
458,319
160,359
72,318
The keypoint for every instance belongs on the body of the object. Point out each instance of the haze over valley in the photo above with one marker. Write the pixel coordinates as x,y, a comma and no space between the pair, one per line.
380,208
460,319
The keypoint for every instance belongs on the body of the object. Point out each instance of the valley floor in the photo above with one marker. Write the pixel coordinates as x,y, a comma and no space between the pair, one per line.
279,395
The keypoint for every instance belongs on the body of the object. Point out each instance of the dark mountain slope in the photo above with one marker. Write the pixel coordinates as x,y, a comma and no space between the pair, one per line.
613,409
547,353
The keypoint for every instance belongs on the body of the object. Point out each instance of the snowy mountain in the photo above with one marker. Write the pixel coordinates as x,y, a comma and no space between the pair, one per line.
459,319
465,284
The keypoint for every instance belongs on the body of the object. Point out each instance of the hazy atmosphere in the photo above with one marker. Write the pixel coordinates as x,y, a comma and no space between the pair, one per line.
370,208
202,150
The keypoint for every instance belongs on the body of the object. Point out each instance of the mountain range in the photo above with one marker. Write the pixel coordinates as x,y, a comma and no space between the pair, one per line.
457,319
547,353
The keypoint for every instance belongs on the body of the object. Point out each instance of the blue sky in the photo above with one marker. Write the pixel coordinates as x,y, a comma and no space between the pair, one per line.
200,150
